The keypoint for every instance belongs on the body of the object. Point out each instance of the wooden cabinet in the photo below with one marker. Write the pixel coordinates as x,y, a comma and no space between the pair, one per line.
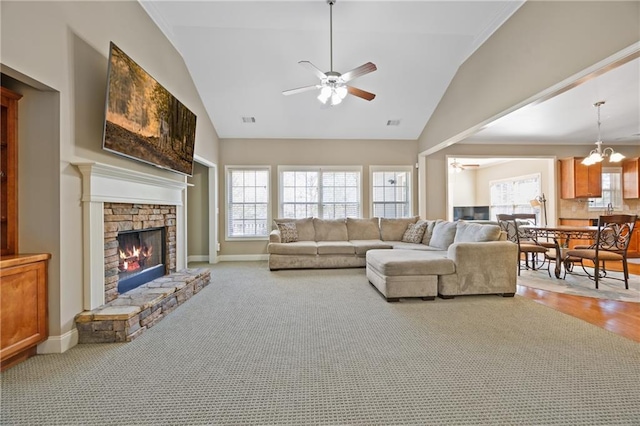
578,180
631,178
23,306
634,244
9,172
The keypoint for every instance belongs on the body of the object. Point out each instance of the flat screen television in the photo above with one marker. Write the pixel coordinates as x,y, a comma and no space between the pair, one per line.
145,122
471,213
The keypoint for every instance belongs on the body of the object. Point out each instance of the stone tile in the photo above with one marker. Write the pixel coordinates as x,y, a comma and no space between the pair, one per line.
115,312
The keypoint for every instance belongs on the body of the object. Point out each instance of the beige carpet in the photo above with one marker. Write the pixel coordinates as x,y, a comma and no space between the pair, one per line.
581,285
323,348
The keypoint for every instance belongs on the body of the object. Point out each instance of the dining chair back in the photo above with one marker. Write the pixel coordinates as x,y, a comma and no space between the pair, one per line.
612,242
509,224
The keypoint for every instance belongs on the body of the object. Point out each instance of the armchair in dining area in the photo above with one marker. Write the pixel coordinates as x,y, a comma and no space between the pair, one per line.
530,248
611,245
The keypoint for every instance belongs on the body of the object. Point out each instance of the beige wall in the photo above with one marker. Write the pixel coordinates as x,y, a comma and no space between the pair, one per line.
294,152
198,212
65,46
542,44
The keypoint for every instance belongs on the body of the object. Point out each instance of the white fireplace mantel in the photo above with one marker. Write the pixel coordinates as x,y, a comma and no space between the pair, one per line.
104,183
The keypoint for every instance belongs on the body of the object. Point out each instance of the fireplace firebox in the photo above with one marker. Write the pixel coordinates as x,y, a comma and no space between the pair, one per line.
141,257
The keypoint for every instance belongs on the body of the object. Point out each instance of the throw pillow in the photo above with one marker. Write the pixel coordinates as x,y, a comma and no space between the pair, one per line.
476,233
288,232
443,234
414,232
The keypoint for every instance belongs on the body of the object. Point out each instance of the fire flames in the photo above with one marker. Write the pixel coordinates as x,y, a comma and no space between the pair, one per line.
134,258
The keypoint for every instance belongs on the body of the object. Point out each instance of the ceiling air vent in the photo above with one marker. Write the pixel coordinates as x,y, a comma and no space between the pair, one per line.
248,119
393,122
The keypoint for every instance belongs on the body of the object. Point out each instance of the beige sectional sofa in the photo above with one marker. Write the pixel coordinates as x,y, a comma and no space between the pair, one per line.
447,258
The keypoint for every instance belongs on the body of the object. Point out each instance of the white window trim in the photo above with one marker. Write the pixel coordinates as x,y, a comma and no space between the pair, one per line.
316,169
227,169
409,169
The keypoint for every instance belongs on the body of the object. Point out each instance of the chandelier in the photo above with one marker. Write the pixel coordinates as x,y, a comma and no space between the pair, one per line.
599,154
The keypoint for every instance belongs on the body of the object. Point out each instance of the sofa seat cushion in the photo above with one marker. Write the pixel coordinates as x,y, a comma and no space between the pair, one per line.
330,229
335,247
398,262
413,246
299,247
362,246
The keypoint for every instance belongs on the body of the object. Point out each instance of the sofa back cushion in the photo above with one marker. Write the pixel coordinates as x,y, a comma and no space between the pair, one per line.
444,232
330,229
363,229
476,233
393,229
426,238
304,228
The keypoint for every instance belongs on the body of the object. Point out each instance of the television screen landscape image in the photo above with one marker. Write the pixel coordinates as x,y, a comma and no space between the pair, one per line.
143,120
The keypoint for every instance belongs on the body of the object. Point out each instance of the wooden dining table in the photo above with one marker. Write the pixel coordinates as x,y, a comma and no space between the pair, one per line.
562,235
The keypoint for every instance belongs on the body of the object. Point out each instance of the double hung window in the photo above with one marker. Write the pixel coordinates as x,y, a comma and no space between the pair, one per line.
391,192
611,190
514,195
329,193
247,202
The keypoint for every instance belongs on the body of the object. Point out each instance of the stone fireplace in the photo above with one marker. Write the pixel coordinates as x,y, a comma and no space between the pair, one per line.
134,237
117,200
139,245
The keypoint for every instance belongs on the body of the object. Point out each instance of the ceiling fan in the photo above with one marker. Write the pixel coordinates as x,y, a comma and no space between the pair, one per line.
458,167
333,85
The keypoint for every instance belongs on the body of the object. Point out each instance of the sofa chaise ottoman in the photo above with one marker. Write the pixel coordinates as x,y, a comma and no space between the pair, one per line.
400,273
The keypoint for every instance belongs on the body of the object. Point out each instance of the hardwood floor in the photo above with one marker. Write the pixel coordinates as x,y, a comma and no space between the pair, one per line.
622,318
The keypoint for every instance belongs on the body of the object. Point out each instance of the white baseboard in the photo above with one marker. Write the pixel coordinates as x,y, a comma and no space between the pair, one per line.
198,258
59,344
243,257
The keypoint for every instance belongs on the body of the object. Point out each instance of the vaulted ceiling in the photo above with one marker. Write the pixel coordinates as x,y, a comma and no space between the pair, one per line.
243,54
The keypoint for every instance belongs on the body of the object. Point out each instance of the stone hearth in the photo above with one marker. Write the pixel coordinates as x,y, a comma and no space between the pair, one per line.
125,318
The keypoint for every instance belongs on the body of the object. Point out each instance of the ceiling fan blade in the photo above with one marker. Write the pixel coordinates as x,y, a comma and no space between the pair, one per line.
357,72
300,90
367,96
308,65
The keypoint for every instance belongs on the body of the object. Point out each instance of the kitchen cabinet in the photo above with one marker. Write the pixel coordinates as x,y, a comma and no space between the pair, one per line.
631,178
23,306
579,222
578,180
634,244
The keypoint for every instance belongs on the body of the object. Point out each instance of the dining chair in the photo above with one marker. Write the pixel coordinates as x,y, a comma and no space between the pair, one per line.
612,241
531,219
509,224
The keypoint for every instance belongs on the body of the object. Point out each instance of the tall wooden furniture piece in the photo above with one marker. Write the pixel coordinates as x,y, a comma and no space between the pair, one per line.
23,277
578,180
9,172
612,243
